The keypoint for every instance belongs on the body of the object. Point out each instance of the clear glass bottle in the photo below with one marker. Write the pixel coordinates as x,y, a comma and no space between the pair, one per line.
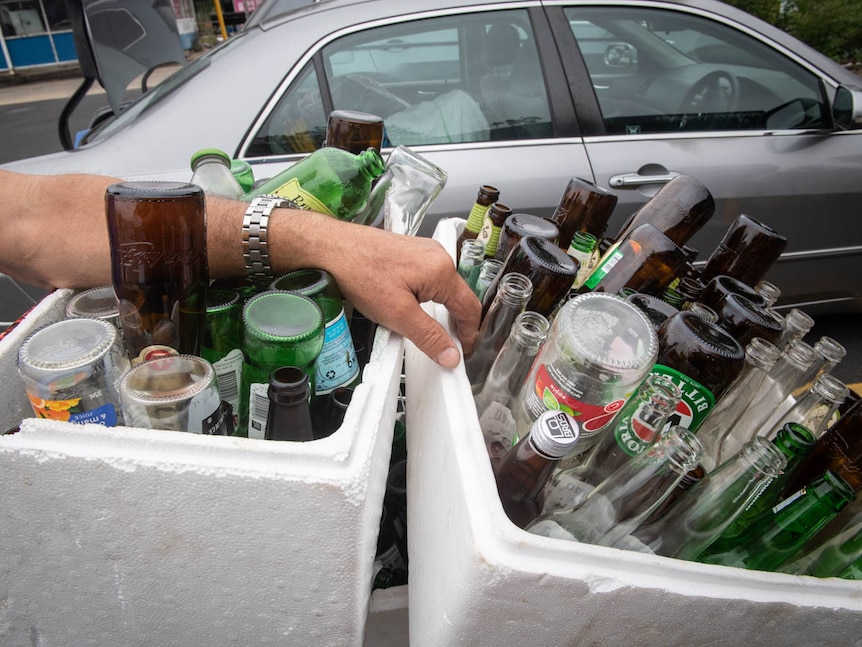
583,250
796,325
814,410
769,291
524,470
705,511
599,349
330,180
785,376
488,271
512,296
778,533
635,429
627,495
289,416
507,374
211,170
704,312
760,357
470,258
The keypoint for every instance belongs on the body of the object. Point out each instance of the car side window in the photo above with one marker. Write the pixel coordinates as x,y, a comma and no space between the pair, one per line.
472,77
656,71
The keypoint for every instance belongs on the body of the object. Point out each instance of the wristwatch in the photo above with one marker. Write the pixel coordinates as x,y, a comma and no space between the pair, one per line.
254,232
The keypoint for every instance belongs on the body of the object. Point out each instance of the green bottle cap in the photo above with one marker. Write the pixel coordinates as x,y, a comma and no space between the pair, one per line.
209,152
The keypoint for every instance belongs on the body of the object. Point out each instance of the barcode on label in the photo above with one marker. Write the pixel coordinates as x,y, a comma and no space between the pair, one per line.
228,385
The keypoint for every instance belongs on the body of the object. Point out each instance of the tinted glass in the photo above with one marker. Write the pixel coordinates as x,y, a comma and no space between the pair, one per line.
463,78
660,71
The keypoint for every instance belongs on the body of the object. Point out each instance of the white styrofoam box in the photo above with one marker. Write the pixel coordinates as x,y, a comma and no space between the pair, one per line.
387,618
123,536
476,579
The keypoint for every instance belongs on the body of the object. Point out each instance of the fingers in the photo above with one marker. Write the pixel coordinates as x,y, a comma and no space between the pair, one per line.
429,336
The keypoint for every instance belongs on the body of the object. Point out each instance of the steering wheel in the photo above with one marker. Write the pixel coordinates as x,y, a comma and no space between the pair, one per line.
717,91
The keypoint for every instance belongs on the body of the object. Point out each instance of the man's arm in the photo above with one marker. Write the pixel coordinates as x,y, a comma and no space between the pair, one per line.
53,233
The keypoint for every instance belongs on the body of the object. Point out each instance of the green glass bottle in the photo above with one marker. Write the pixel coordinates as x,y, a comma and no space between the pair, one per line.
795,442
244,174
839,554
280,329
222,344
336,366
781,531
330,180
583,250
487,196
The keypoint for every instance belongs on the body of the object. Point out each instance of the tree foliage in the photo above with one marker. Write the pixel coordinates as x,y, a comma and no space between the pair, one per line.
834,27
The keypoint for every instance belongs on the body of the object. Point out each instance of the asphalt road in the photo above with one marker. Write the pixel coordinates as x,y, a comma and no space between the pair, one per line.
29,128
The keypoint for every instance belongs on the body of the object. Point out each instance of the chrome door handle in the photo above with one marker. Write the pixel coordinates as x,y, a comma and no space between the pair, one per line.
631,180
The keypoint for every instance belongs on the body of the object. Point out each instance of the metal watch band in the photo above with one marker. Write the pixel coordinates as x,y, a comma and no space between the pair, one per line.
254,233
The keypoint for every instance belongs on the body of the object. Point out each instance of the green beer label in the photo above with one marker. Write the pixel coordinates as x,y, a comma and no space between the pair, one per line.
603,268
633,434
697,401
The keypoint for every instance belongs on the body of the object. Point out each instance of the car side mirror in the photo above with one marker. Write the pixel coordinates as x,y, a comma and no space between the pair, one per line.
847,107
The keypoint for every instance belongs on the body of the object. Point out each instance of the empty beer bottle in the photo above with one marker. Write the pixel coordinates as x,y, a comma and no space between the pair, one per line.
159,270
354,131
470,258
635,428
839,450
280,329
336,365
289,417
744,319
626,496
832,557
211,171
777,534
747,251
507,374
583,207
706,509
487,196
493,227
327,412
488,271
521,225
583,250
510,300
330,180
678,210
719,287
814,410
657,310
524,470
550,270
222,345
700,358
645,261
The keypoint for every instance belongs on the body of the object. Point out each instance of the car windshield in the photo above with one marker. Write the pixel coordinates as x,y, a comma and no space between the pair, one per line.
154,96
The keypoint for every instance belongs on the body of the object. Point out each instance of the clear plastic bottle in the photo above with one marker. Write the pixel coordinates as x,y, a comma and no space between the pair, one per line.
211,170
599,350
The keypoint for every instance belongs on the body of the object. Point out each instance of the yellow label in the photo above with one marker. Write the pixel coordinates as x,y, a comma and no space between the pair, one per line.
292,190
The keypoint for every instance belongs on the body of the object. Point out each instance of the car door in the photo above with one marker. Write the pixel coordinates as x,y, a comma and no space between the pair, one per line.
479,93
676,90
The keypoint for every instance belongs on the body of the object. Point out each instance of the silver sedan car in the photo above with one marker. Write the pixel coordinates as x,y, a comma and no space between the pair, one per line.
525,95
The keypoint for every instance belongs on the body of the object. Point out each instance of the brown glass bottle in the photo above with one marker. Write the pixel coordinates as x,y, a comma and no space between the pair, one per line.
583,206
487,196
550,270
838,450
524,470
747,251
719,287
678,210
519,225
702,360
655,309
745,319
354,131
645,261
289,417
157,233
493,227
